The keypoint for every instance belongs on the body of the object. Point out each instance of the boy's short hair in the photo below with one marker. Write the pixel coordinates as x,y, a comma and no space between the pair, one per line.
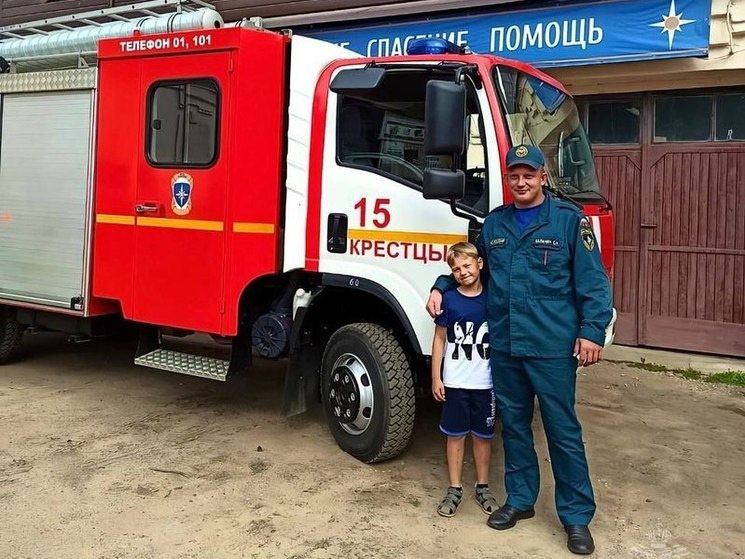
461,249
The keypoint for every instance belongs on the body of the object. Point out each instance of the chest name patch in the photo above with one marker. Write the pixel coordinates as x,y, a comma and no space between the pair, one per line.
552,244
498,242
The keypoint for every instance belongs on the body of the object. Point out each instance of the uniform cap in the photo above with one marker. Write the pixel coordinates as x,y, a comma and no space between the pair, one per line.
525,155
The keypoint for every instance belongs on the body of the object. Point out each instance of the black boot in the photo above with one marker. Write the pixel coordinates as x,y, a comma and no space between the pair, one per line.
579,539
506,517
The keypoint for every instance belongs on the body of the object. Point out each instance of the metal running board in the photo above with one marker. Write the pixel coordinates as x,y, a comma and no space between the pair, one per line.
185,363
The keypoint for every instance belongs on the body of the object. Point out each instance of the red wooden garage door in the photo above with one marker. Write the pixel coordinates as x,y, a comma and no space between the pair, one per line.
619,171
693,261
673,166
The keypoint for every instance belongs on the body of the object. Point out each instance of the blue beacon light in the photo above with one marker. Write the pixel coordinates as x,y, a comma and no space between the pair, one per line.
433,46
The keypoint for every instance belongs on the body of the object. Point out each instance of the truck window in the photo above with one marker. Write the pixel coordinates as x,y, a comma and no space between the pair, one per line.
382,131
537,113
183,123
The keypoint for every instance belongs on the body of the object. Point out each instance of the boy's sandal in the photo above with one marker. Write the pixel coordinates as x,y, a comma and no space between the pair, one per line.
450,503
486,500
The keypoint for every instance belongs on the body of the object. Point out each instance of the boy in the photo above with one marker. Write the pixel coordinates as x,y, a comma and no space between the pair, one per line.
461,377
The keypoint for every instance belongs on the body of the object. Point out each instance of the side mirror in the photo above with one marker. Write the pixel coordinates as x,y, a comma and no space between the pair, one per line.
441,183
444,118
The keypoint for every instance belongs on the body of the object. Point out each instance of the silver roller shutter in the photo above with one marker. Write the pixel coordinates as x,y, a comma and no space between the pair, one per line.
44,178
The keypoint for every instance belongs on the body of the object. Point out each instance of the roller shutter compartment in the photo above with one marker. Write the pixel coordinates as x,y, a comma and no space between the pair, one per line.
44,184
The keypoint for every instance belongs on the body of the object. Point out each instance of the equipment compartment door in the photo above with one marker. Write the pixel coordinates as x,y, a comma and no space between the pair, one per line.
44,183
180,206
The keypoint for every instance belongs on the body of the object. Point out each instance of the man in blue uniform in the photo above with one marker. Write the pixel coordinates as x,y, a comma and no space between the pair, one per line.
549,303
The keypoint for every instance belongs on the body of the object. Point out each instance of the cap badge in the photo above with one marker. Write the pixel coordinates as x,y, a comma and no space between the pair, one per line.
521,151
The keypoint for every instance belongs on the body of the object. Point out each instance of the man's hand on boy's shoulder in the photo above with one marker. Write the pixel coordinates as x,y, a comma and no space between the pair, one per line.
434,303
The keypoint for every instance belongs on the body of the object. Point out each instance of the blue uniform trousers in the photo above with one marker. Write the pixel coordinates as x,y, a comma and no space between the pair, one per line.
517,381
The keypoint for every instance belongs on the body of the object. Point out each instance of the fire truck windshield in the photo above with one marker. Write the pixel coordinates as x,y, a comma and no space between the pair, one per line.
537,113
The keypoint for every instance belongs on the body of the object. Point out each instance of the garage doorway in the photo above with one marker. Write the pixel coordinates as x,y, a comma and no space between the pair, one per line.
672,165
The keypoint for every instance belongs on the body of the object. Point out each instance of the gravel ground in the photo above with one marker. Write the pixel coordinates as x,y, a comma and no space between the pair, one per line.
103,459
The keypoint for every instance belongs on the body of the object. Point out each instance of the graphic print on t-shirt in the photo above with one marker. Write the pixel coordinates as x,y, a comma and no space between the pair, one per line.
465,341
466,359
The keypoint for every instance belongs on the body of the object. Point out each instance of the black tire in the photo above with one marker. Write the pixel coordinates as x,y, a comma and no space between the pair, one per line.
367,350
10,334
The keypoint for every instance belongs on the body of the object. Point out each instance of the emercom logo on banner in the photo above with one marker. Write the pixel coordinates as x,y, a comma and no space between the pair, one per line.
568,34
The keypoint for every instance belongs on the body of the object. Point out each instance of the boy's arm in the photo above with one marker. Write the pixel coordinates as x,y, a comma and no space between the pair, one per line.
438,350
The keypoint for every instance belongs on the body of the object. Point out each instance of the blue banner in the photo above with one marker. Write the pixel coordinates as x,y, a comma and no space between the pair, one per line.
560,35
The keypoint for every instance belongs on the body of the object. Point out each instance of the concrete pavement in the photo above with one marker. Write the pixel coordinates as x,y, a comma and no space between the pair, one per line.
707,364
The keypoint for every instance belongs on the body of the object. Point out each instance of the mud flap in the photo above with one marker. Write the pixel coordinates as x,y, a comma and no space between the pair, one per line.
302,383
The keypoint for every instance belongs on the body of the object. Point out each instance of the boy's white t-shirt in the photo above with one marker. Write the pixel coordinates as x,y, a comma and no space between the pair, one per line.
466,359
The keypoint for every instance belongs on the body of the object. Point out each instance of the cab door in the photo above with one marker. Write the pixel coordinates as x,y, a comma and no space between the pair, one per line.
180,204
376,228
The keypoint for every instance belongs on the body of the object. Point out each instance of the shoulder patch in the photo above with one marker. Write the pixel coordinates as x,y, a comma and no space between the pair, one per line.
587,234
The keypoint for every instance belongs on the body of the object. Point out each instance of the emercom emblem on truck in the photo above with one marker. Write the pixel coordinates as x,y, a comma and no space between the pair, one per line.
181,188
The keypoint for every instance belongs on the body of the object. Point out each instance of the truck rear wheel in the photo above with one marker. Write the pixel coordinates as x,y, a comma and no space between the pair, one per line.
368,392
10,334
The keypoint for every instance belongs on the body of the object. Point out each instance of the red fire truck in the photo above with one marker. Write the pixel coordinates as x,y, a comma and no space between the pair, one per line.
271,193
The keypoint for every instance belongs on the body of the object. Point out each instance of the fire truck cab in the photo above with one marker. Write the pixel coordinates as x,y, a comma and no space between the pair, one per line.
281,195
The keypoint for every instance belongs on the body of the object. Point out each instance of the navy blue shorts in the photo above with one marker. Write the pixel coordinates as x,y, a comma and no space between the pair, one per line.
468,410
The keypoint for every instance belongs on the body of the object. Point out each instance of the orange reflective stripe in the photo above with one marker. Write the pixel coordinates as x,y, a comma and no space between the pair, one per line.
406,236
172,223
246,227
115,219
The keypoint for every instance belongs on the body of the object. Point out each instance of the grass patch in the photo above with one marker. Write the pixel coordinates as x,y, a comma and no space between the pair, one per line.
647,366
689,373
731,378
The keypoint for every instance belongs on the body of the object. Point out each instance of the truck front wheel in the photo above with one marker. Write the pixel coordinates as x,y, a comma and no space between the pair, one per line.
368,392
10,334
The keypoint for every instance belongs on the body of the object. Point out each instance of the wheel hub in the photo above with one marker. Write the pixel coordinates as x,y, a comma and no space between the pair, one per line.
345,394
350,394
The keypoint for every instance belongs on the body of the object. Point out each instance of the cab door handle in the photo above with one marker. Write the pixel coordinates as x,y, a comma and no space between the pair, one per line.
337,233
147,208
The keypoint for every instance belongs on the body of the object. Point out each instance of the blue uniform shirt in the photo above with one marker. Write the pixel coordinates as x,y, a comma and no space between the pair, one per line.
546,285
